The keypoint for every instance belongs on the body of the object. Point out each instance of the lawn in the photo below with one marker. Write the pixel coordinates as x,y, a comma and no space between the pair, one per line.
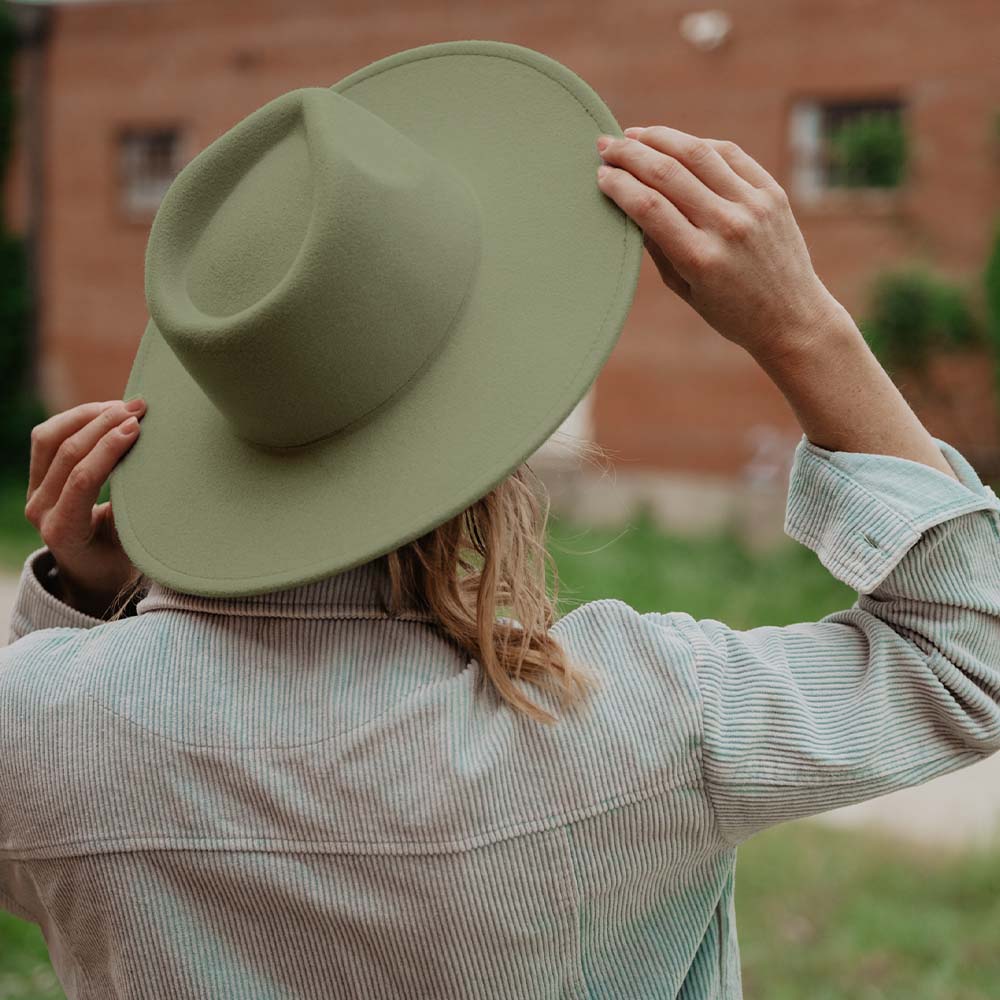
824,914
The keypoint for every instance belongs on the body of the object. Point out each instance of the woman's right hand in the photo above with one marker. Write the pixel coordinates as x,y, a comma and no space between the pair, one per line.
721,232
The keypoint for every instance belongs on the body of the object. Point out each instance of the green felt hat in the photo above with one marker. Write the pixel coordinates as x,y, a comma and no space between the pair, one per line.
369,304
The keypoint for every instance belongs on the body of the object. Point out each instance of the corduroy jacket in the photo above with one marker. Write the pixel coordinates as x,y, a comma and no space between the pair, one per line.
298,796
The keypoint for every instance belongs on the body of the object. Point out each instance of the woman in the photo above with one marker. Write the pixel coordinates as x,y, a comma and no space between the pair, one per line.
347,788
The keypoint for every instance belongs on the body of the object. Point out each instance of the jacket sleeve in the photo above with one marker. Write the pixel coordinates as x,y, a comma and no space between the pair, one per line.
36,607
898,689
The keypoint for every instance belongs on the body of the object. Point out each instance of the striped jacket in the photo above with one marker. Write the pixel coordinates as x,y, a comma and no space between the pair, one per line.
297,796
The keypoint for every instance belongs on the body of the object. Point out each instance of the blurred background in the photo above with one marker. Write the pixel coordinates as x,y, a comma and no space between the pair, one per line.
881,118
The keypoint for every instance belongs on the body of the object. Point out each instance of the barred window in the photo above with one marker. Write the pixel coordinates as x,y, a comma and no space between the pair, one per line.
149,159
847,144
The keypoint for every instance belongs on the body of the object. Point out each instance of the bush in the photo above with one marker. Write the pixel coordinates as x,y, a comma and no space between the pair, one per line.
991,294
914,313
20,410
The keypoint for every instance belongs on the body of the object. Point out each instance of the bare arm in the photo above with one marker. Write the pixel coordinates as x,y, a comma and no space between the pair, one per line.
845,400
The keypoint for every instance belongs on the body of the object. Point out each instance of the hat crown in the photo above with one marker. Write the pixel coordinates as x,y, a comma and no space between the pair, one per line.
308,263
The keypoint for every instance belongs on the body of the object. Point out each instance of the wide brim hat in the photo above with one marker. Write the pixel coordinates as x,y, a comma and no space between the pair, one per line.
369,304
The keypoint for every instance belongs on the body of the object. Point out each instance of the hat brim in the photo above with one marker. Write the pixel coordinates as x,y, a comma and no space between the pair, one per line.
202,511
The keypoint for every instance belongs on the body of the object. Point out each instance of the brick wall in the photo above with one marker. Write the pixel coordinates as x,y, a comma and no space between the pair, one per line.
674,395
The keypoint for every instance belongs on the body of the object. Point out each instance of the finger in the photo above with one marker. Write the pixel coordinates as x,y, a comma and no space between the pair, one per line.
72,517
69,452
700,157
655,215
742,164
671,178
49,434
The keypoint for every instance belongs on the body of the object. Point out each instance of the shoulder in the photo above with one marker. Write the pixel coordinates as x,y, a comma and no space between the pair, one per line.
38,696
46,720
642,731
614,626
641,651
39,658
40,673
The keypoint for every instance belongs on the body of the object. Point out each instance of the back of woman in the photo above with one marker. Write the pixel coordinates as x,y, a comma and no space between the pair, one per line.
403,775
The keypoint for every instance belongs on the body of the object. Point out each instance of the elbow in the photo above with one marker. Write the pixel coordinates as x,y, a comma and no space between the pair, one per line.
973,682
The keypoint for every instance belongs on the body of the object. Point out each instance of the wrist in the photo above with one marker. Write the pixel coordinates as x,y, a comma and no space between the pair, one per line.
831,332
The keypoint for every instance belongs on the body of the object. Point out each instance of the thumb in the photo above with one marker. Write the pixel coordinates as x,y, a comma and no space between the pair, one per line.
670,277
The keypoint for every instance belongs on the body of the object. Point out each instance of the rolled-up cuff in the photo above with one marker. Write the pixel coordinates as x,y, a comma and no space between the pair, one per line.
861,513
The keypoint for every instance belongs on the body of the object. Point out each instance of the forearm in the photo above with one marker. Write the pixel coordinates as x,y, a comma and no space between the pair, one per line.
845,400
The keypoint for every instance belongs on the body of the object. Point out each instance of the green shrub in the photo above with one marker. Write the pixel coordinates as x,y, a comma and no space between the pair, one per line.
991,294
20,409
869,150
915,313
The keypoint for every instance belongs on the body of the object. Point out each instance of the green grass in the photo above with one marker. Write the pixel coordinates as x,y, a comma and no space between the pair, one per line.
829,914
713,577
25,970
823,914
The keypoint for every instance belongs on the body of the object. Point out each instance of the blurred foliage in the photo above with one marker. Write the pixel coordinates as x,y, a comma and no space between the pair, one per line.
708,576
20,409
991,295
25,969
8,47
914,313
869,150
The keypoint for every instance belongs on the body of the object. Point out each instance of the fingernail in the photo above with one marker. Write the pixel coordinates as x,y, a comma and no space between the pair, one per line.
135,405
632,129
603,170
603,142
130,426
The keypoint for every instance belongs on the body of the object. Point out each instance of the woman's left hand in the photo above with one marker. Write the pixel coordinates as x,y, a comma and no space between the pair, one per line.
72,456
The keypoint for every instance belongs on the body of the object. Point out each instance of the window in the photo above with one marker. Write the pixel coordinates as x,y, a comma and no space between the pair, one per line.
846,145
149,161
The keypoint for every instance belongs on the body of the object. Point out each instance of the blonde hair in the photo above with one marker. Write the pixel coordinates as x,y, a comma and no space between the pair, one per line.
490,558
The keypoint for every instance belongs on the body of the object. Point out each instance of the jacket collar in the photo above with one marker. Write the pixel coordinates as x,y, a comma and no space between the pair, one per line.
359,592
